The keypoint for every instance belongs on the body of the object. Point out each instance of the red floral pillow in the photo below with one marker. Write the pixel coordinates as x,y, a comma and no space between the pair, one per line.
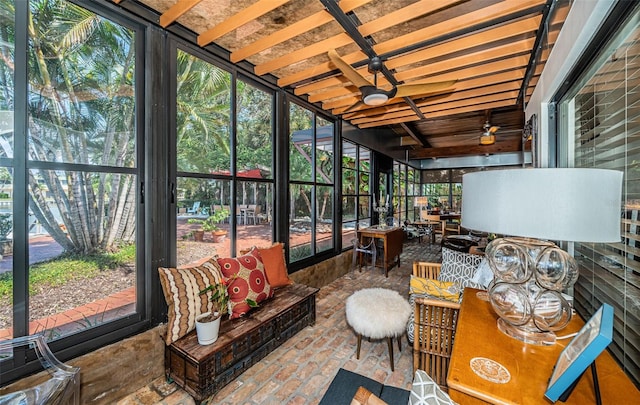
246,281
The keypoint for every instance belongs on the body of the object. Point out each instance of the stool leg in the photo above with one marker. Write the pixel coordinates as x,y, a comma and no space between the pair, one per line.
390,344
399,343
358,351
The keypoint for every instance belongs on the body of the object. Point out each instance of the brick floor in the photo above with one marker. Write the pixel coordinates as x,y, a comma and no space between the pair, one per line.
299,371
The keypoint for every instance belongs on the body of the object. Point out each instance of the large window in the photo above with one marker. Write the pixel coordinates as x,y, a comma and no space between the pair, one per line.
599,123
356,190
71,174
311,190
224,177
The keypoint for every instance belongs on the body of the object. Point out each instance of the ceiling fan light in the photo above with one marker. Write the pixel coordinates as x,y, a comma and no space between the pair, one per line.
487,139
375,99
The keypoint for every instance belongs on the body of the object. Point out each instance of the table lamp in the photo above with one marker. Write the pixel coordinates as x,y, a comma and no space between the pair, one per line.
533,207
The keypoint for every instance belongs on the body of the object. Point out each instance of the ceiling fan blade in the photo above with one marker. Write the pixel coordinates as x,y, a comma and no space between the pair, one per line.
407,90
353,107
347,70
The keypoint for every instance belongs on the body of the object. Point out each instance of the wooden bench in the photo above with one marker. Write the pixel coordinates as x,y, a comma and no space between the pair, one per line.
203,370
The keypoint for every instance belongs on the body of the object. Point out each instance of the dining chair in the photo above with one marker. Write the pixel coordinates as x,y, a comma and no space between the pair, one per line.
360,249
435,223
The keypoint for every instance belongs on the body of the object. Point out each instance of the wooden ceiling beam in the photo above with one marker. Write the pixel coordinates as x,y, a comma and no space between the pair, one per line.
389,122
310,51
456,45
460,23
300,27
257,9
322,46
176,11
498,52
430,69
319,69
306,24
510,95
514,63
381,117
459,110
501,146
404,14
473,108
505,31
479,82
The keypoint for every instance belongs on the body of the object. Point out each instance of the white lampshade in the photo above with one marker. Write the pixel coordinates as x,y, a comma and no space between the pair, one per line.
579,205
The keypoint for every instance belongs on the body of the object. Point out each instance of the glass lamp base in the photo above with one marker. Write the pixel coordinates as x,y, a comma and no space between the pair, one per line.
528,336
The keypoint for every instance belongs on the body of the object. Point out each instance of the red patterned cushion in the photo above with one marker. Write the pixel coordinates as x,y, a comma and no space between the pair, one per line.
246,280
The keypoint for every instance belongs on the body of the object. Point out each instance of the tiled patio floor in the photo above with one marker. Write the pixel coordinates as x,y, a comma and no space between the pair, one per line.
300,370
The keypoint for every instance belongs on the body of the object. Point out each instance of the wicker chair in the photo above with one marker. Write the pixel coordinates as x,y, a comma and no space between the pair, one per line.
426,269
435,323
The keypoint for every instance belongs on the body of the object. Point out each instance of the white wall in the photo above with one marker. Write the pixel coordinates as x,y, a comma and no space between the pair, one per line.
583,21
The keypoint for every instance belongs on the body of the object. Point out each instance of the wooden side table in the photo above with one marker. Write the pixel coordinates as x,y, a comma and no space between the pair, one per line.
529,366
392,239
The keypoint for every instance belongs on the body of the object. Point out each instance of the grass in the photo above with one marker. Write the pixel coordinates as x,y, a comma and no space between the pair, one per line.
65,268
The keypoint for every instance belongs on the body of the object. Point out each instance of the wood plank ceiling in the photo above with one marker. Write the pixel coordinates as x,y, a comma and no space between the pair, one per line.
486,46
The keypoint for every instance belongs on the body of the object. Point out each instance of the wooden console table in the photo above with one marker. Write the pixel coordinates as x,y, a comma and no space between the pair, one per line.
392,239
530,366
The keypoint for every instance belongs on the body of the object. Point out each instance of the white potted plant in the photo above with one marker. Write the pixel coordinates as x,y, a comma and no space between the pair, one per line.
208,323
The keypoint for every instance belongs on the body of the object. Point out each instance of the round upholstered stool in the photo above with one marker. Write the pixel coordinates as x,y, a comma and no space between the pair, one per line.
378,313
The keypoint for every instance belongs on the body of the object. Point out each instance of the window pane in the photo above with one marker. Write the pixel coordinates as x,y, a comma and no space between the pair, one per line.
324,227
82,108
603,130
349,181
254,131
300,220
93,284
324,151
7,25
365,171
348,208
81,111
253,215
301,143
199,199
203,116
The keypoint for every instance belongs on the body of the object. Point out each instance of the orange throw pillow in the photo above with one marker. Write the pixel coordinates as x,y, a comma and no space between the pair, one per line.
274,265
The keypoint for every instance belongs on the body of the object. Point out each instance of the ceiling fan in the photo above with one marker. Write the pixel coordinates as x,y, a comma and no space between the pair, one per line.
371,94
488,137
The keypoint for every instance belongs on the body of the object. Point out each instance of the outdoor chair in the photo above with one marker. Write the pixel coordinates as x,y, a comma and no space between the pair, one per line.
194,209
250,214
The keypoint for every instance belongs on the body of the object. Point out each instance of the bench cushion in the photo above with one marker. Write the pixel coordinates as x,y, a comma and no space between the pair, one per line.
181,287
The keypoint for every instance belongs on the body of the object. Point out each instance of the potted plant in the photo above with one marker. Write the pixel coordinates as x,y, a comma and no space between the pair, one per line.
208,324
211,224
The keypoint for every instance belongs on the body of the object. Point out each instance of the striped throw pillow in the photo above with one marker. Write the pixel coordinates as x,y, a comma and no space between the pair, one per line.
181,287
